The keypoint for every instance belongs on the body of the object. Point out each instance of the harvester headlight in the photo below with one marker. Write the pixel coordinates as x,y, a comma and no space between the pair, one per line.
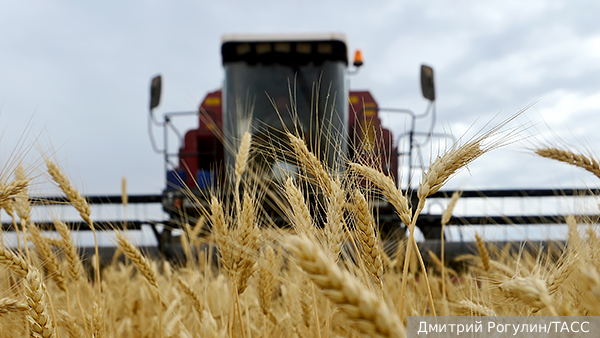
242,49
263,48
304,48
325,48
283,47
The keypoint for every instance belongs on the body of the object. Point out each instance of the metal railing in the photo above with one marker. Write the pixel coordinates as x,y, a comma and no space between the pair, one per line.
425,219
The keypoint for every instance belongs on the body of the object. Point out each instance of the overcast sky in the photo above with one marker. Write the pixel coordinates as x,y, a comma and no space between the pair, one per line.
74,75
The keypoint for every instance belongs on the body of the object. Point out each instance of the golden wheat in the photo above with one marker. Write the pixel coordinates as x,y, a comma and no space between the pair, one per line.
579,160
8,305
40,321
286,282
366,310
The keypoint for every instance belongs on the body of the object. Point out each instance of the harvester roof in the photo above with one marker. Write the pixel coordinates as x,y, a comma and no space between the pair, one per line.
284,49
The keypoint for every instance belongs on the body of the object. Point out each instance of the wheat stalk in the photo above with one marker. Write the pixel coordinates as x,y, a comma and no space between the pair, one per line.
364,309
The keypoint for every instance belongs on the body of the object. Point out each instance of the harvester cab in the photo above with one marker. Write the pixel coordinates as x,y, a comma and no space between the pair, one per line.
275,85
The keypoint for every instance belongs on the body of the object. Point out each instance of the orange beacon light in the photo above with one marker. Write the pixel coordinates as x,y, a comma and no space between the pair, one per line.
358,60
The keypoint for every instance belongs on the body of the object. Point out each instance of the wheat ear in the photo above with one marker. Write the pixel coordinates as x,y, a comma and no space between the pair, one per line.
312,164
9,207
22,207
438,174
80,204
531,290
75,267
588,283
68,321
334,227
8,305
13,261
450,208
98,321
12,189
300,215
579,160
446,166
445,219
48,257
564,272
472,309
267,272
368,313
137,258
247,235
124,195
85,212
574,239
222,234
140,262
369,245
195,298
388,188
124,201
483,253
40,321
241,162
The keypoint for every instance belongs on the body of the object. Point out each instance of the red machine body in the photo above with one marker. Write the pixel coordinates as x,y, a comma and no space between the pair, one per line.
202,154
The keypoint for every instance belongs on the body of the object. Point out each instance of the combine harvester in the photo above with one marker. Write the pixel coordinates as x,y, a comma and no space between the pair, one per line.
275,84
297,83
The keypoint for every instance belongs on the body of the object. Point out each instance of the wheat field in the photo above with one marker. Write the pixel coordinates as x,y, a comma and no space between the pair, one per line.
328,277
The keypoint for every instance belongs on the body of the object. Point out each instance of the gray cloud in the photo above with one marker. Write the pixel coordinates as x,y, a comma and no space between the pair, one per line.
82,70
